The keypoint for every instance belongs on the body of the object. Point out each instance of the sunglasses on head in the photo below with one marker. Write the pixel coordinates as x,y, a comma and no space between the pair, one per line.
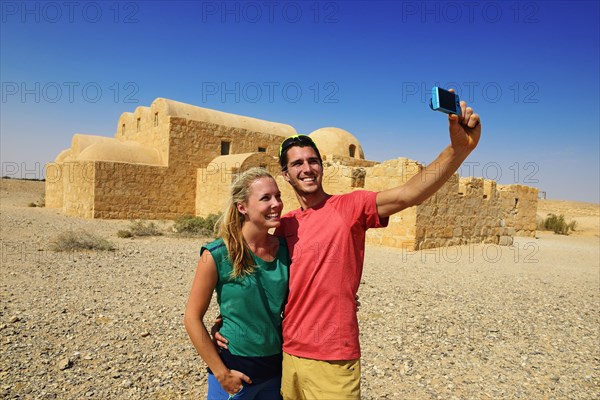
302,140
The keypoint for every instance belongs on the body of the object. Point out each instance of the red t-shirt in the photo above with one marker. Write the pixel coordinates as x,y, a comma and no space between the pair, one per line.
327,247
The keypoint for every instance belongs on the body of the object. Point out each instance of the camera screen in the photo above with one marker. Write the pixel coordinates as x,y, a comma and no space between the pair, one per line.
447,100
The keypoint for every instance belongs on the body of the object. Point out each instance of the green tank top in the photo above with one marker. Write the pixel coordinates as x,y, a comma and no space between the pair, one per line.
252,306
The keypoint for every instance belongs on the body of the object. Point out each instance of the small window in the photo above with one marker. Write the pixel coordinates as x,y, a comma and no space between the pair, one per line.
352,150
123,129
138,123
155,119
262,149
225,148
516,202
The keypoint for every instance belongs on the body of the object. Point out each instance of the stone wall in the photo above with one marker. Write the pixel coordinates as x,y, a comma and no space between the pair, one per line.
130,191
54,194
400,231
459,213
519,208
78,188
172,159
214,181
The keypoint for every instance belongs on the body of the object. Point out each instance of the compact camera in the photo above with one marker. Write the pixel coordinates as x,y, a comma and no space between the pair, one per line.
444,101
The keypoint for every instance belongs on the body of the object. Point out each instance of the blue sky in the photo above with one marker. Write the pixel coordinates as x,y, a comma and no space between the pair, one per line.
530,69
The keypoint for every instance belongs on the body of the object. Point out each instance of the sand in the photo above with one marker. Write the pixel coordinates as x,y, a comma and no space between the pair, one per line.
468,322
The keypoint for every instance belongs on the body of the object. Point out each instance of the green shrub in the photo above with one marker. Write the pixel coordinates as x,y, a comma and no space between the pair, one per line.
124,233
188,225
140,228
80,240
558,225
144,228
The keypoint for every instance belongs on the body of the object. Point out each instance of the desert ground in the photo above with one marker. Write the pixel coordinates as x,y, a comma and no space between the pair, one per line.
468,322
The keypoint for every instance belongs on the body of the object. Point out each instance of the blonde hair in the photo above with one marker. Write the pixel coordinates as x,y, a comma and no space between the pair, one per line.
231,222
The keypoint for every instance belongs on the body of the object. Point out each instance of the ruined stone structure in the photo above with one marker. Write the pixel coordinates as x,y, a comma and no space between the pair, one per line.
172,159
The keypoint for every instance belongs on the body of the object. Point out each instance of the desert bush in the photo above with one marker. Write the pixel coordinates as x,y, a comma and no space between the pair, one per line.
188,225
124,233
140,228
80,240
144,228
557,224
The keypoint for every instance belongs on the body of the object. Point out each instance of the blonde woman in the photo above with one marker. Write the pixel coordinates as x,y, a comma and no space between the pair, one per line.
248,268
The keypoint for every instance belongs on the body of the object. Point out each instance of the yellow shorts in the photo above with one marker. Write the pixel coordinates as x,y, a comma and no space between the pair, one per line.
307,379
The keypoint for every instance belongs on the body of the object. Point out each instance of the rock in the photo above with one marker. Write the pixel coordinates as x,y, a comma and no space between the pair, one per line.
64,363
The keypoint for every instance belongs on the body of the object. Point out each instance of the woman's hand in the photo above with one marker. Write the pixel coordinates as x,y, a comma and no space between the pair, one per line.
232,380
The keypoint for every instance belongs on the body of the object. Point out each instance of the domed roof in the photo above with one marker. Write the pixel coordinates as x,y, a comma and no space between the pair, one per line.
338,142
129,152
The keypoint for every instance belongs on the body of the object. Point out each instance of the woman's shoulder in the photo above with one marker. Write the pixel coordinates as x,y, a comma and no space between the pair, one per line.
215,245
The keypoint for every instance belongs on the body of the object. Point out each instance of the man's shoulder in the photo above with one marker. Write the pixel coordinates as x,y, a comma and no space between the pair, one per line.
290,214
354,196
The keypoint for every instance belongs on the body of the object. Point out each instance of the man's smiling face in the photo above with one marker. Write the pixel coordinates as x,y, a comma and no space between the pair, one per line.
304,171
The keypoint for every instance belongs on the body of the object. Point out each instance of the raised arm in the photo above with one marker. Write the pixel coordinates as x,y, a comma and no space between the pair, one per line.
204,283
465,132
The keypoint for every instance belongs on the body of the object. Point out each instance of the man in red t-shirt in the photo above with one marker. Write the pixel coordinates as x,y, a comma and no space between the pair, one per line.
326,240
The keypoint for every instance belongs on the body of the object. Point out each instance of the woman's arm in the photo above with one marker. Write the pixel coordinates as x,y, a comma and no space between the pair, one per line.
203,285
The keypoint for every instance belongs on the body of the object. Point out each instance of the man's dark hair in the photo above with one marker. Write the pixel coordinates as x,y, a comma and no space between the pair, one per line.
292,141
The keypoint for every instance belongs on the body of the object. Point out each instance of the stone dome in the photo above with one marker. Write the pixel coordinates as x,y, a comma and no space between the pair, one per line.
337,142
128,152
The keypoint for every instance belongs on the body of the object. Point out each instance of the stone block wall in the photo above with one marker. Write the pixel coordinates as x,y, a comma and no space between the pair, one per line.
78,188
131,191
519,208
464,210
401,229
197,143
213,182
54,196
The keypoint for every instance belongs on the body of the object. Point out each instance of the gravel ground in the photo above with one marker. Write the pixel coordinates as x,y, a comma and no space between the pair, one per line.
469,322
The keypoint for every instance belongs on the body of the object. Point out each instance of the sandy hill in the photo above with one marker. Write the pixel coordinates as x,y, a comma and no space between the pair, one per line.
587,215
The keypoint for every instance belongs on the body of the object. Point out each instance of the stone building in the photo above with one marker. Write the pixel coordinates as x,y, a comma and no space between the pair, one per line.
172,159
